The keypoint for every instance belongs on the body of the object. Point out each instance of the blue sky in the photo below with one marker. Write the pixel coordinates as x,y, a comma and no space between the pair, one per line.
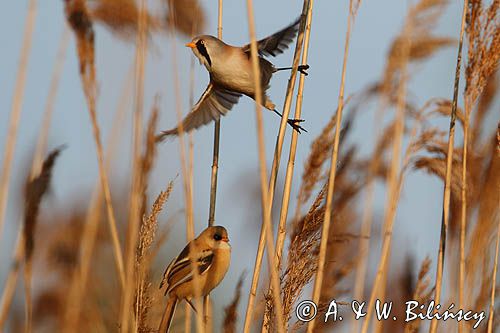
76,171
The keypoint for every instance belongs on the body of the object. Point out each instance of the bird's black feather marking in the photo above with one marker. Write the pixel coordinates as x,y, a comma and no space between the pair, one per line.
200,46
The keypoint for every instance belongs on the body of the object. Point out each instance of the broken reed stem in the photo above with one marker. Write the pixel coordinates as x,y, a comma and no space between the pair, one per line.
137,176
266,216
15,111
188,196
495,267
11,282
274,171
215,171
333,170
215,159
449,159
281,235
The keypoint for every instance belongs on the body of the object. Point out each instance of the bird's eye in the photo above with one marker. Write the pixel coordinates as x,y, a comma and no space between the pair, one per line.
217,237
202,42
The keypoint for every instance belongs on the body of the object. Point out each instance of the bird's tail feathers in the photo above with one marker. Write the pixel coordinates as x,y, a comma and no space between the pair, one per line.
165,134
268,104
168,315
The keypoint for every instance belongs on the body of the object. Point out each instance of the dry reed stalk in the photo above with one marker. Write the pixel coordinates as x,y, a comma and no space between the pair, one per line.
15,111
11,281
79,20
447,186
333,169
215,158
393,181
280,240
35,190
265,203
93,214
188,196
274,169
148,226
215,171
138,180
463,222
8,291
495,267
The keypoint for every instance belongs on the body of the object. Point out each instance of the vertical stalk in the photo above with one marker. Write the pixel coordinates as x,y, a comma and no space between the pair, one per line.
463,221
281,236
15,111
274,171
266,217
333,170
215,171
495,267
136,186
215,159
447,186
188,197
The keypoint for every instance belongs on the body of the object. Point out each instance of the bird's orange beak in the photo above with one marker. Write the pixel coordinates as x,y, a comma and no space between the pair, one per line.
191,45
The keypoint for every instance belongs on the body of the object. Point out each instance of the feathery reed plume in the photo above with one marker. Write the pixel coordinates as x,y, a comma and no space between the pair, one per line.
15,112
189,16
79,19
231,311
147,235
35,190
121,17
333,170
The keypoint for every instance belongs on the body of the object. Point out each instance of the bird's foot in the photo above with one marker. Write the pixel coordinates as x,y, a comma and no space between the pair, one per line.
303,69
295,124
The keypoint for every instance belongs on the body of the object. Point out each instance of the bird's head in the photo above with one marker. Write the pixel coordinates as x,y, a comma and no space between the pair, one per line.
206,48
216,237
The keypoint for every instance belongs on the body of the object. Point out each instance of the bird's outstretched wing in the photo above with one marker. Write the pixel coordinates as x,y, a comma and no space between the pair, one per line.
180,271
278,42
214,103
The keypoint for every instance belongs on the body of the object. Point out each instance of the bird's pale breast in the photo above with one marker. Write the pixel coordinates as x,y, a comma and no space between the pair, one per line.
235,73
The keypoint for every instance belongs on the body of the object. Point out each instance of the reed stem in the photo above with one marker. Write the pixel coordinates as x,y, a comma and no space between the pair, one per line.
447,186
333,170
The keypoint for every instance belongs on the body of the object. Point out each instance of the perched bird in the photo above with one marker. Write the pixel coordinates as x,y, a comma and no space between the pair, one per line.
231,76
210,253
